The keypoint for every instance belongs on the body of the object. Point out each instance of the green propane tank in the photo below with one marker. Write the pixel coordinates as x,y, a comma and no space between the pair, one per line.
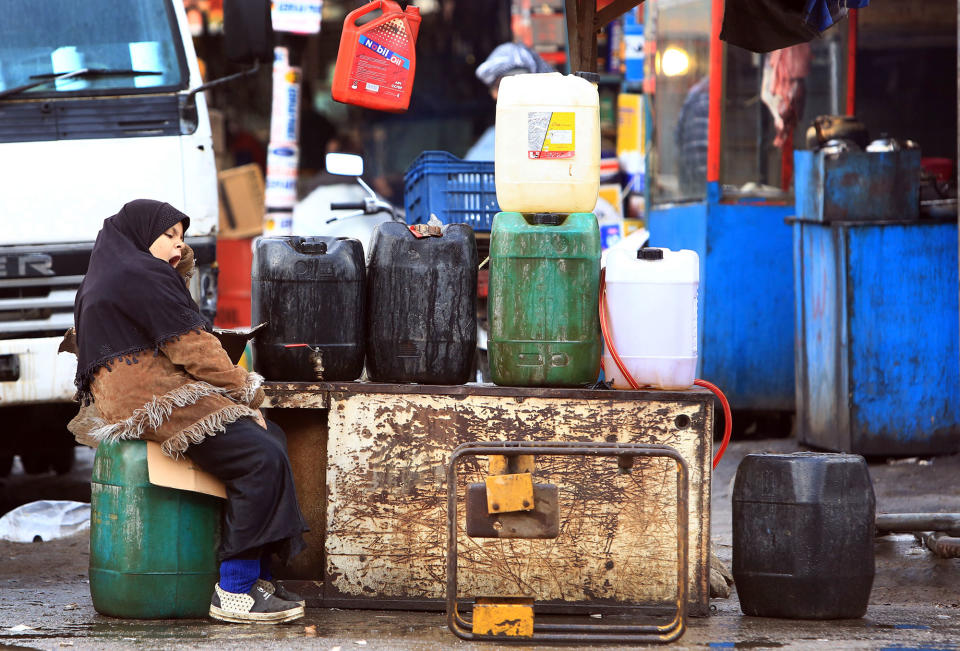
153,550
544,290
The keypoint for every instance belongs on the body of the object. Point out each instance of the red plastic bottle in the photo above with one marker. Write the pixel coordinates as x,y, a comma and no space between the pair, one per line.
377,60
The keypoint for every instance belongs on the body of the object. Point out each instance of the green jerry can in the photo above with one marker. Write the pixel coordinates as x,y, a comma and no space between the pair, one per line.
543,296
153,550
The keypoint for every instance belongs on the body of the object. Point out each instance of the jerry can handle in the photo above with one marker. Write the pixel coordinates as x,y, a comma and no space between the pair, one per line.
360,12
310,245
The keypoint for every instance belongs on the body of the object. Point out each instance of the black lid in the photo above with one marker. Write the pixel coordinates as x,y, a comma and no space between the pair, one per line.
547,218
649,253
592,77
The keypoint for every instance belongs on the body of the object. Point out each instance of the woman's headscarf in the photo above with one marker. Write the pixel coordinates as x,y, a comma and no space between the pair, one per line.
510,59
130,301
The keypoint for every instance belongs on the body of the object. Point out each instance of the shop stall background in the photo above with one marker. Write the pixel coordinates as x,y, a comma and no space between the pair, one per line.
449,108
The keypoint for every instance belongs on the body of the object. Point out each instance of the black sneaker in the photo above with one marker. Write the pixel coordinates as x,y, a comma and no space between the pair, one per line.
255,607
281,592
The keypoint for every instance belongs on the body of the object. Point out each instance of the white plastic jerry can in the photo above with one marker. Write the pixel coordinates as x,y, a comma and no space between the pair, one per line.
547,156
652,316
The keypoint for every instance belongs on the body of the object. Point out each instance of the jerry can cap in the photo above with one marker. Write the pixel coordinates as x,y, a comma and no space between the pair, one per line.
592,77
547,218
649,253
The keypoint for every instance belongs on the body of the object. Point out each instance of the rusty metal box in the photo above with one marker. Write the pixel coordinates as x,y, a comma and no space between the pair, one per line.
379,505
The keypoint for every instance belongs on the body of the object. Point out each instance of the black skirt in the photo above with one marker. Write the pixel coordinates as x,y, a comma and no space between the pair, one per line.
262,515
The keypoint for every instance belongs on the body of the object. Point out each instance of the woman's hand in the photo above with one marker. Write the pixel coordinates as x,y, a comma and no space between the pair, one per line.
258,418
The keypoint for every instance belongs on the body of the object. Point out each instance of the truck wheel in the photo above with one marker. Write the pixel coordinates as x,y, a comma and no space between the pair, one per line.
6,464
62,460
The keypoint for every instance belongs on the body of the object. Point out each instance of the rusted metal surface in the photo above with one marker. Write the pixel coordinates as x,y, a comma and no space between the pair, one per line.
543,521
386,456
567,632
297,395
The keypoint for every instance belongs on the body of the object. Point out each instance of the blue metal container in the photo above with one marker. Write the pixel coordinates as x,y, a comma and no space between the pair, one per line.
857,185
745,320
877,336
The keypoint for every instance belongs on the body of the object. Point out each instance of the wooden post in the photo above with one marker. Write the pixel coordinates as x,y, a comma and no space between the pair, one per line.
584,20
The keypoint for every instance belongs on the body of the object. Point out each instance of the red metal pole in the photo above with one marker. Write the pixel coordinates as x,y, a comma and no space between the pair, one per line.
852,62
716,92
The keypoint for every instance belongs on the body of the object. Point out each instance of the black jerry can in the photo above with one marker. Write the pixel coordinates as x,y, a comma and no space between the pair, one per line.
803,535
311,291
422,305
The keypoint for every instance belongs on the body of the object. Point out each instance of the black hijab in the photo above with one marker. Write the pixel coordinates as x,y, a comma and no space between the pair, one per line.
130,301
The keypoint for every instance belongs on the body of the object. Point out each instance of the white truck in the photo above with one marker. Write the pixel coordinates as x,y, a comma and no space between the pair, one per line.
98,106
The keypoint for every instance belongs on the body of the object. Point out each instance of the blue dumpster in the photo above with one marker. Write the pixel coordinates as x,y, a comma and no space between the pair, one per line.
745,317
877,336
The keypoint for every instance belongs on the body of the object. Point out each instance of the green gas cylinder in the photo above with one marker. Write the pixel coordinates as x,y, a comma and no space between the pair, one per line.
542,304
153,550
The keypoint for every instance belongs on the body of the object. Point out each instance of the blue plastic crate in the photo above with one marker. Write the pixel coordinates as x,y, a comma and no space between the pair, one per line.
456,191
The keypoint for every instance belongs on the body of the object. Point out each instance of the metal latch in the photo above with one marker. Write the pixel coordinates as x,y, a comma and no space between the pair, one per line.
541,522
509,505
9,368
510,484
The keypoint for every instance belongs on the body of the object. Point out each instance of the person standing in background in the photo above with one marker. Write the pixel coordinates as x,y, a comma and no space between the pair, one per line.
505,60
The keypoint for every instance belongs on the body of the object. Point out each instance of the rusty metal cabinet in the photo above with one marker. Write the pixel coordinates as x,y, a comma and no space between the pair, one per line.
370,460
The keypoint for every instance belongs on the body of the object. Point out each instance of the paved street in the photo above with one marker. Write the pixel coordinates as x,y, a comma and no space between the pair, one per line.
915,603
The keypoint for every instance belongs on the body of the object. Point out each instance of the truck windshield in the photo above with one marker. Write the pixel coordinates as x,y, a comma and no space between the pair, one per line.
42,38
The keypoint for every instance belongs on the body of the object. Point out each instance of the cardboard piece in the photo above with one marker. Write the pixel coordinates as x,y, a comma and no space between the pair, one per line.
180,473
241,202
218,129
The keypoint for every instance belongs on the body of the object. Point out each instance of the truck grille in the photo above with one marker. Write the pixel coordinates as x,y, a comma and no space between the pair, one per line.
38,285
37,307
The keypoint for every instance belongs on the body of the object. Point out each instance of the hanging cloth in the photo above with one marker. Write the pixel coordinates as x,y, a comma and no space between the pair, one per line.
783,88
767,25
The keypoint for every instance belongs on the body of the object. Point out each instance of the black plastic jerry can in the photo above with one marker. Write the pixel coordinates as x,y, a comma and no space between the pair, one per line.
422,305
312,292
803,535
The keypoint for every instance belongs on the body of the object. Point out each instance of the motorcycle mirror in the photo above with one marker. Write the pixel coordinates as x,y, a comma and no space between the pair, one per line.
344,164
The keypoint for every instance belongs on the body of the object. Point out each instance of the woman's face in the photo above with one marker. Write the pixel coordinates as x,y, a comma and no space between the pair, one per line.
169,246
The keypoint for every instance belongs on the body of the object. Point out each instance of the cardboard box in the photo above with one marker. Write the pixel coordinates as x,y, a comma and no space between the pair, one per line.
241,202
631,124
180,473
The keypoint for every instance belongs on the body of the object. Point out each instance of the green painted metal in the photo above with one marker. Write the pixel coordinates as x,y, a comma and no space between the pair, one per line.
544,290
152,549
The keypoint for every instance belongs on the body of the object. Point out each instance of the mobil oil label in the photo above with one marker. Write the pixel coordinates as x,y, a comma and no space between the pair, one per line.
377,60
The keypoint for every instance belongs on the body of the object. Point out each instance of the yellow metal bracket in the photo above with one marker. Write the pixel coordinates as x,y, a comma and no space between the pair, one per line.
503,616
509,493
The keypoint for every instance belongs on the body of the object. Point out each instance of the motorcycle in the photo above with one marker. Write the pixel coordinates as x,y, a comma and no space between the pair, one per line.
344,209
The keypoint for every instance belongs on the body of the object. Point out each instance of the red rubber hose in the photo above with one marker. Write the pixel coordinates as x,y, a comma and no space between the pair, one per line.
608,340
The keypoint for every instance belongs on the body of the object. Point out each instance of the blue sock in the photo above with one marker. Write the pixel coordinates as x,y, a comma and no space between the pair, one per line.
265,572
238,575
